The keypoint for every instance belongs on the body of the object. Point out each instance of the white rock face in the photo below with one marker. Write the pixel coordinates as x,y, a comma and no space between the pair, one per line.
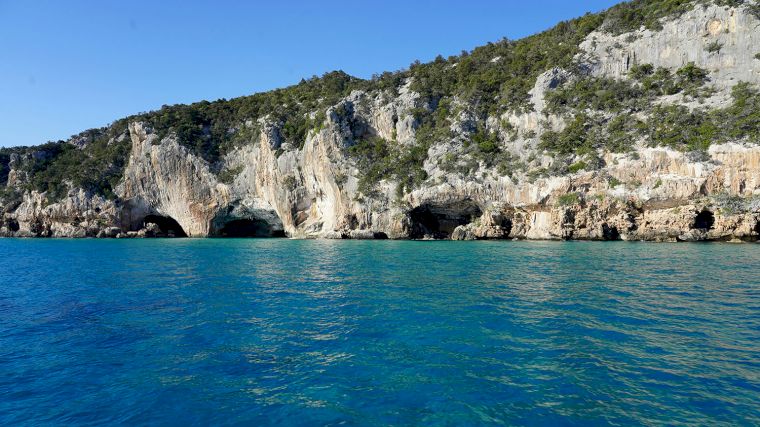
272,188
313,193
78,215
685,40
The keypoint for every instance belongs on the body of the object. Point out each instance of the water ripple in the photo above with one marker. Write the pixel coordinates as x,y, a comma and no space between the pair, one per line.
278,332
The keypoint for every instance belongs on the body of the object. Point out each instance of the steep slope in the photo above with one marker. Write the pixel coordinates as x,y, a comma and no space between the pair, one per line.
640,123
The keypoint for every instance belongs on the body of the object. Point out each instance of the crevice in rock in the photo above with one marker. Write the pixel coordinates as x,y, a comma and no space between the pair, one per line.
431,221
704,220
169,227
249,228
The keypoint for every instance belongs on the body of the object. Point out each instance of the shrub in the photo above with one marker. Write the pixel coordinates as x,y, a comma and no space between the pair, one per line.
97,167
639,72
289,182
632,15
568,199
714,47
731,204
578,166
570,139
594,94
228,176
677,127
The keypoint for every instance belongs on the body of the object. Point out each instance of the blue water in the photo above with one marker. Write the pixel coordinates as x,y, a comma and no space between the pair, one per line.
279,332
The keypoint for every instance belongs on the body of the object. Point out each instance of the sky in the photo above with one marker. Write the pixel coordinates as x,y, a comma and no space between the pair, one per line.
69,66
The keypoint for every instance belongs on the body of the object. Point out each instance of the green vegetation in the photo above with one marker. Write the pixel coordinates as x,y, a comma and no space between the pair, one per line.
290,182
577,167
714,47
753,7
677,127
211,129
96,168
673,126
490,80
378,160
632,15
5,159
575,137
498,76
734,204
228,176
568,199
611,95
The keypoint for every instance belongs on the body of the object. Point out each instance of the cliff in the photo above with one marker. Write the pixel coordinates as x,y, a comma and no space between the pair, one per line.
646,133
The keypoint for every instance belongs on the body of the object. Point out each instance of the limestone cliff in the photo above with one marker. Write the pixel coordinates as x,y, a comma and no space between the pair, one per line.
514,188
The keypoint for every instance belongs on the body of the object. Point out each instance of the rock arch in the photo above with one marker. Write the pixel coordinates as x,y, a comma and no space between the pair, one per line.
249,228
167,226
242,220
439,220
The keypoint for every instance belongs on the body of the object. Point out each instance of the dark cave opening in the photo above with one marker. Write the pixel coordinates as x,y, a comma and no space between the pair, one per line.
610,233
249,228
704,220
168,225
439,222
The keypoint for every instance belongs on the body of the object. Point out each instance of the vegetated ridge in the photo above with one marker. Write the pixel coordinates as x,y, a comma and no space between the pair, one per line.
637,123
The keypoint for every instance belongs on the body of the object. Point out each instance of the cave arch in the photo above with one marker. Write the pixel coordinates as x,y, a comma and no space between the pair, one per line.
610,233
169,226
249,228
704,220
439,220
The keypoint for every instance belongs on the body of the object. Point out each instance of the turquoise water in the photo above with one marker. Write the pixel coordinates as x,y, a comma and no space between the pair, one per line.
265,332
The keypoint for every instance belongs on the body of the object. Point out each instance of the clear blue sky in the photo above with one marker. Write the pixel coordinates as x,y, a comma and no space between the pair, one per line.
66,66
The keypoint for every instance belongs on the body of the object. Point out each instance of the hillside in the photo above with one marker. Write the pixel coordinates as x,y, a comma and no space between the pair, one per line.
638,123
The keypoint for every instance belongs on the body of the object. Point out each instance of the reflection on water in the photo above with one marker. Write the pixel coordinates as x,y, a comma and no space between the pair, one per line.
412,333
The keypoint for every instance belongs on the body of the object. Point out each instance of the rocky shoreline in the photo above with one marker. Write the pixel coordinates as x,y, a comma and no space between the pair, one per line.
270,186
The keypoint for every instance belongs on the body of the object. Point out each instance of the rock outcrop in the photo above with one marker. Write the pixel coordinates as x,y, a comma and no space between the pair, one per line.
272,188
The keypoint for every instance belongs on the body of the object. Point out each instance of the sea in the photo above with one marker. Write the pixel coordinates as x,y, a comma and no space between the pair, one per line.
256,332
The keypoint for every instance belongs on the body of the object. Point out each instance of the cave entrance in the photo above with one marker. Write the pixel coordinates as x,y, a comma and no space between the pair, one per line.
610,233
168,225
439,221
249,228
704,220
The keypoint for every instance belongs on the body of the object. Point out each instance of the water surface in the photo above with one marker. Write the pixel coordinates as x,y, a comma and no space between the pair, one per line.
264,332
